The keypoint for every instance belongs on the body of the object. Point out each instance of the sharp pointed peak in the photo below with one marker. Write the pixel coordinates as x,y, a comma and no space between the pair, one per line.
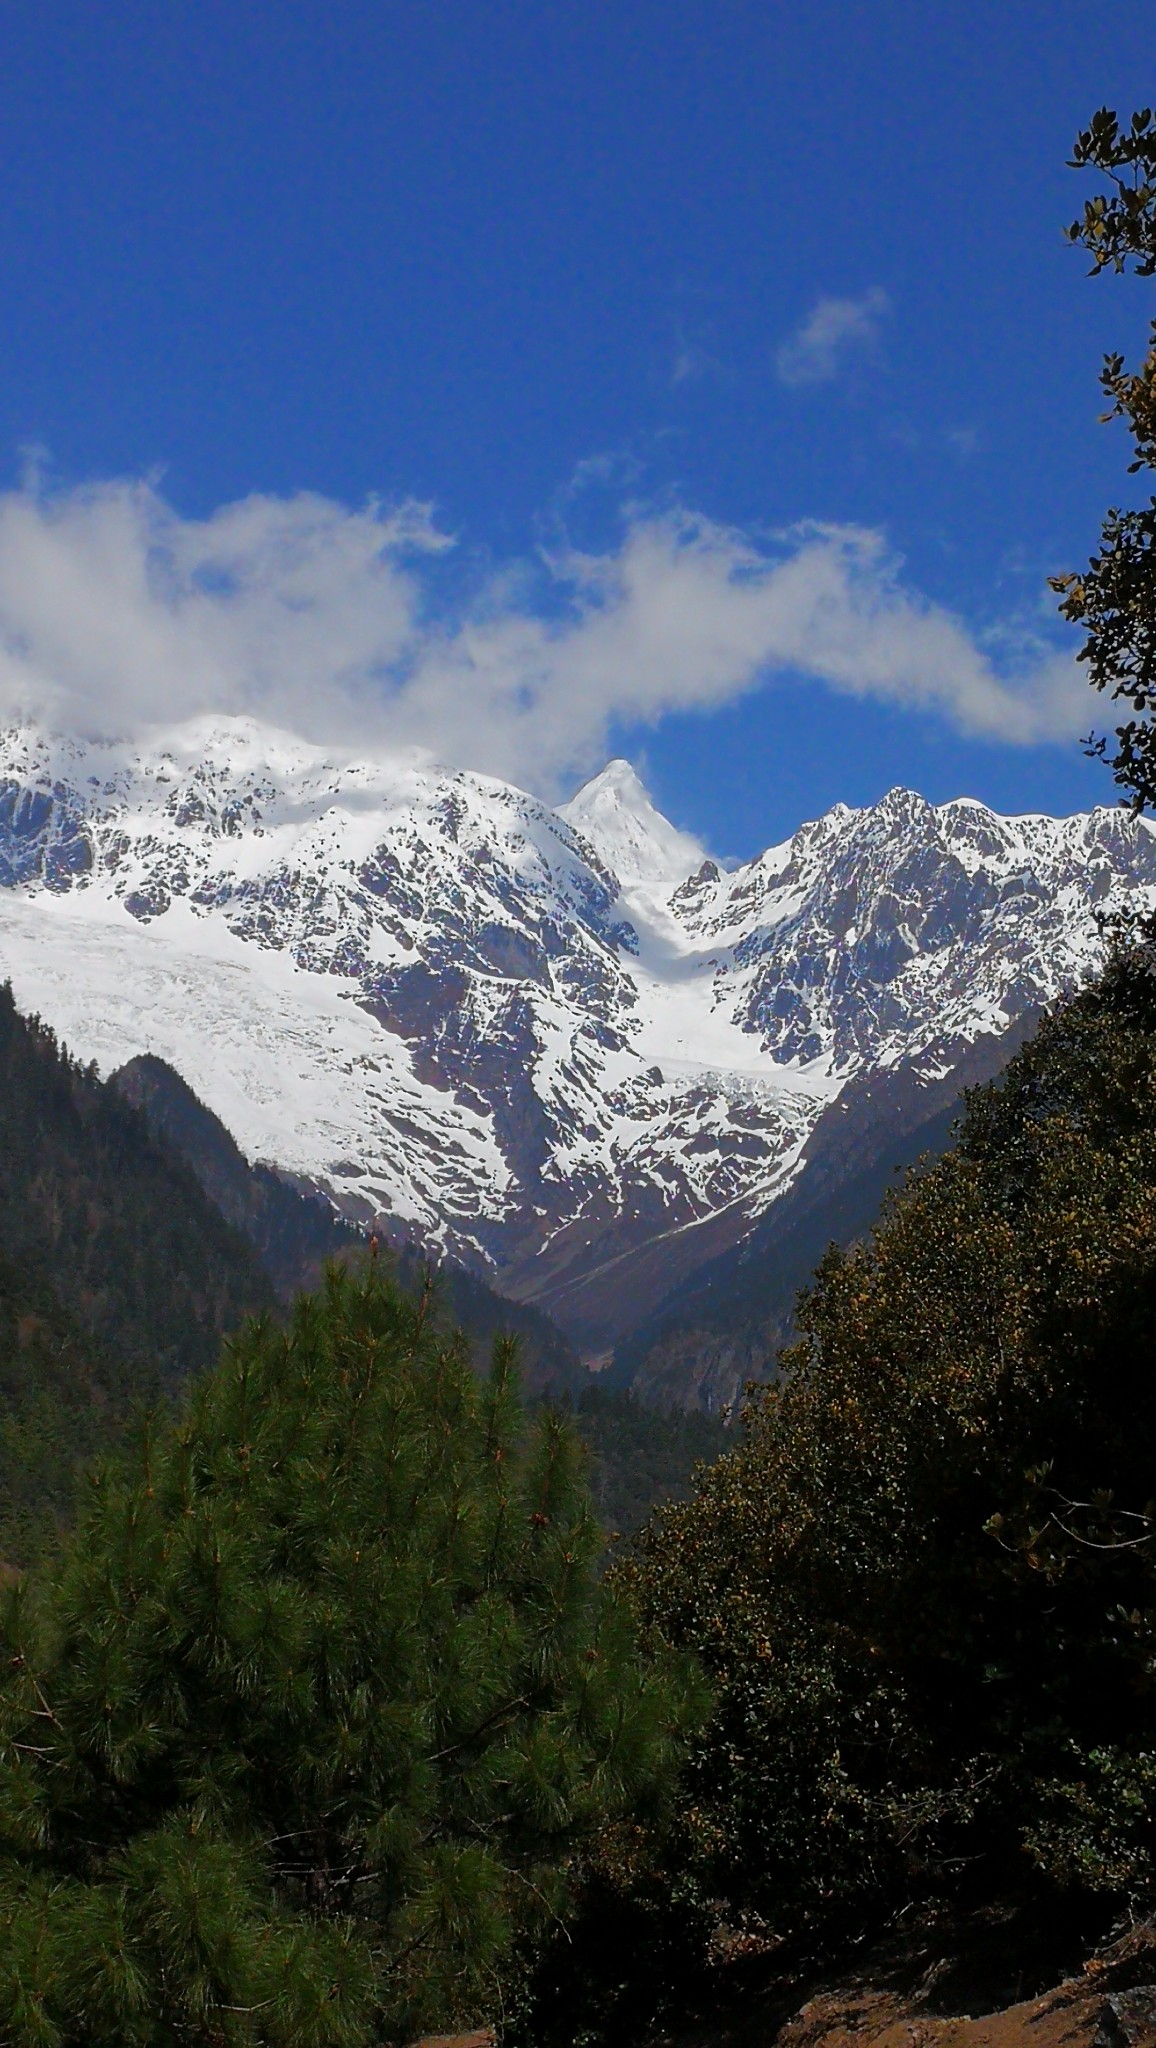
618,778
615,812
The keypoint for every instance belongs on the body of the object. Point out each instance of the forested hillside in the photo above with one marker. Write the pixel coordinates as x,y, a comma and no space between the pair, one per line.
134,1236
639,1456
920,1588
294,1231
118,1277
291,1232
119,1228
924,1582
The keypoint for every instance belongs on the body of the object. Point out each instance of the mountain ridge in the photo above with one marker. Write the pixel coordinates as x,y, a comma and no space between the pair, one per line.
432,999
295,1233
726,1322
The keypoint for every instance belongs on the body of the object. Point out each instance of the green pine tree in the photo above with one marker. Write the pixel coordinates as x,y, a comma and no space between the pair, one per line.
301,1735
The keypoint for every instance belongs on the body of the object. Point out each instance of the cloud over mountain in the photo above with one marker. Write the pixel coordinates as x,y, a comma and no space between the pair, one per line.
117,612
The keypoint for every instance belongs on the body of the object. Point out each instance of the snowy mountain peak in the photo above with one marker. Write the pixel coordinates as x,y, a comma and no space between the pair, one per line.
614,813
561,1044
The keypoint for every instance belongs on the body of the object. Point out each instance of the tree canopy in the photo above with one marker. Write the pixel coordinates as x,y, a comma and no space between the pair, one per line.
925,1583
1115,597
301,1734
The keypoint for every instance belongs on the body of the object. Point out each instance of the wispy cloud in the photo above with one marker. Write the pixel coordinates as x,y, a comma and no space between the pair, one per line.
117,613
834,333
963,442
692,359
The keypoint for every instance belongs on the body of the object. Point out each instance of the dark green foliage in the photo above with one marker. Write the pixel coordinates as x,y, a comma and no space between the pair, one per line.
548,1362
640,1456
1115,598
117,1275
925,1582
61,1400
293,1234
302,1733
134,1250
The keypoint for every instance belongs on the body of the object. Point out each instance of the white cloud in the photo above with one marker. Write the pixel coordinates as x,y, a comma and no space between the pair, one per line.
963,441
692,359
116,613
833,334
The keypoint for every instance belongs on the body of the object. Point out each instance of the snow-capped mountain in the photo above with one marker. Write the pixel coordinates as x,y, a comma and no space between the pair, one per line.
562,1045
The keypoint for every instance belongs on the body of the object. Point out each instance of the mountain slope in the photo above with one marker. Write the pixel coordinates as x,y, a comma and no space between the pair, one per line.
647,855
728,1320
134,1251
117,1275
524,1037
134,1238
294,1232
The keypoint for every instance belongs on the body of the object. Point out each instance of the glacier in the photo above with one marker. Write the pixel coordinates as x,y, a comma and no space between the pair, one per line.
563,1045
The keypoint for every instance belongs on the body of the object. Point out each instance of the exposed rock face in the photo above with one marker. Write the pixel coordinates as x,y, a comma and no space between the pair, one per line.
725,1323
561,1046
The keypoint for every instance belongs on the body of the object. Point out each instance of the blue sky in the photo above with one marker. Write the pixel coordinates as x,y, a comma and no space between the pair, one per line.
728,358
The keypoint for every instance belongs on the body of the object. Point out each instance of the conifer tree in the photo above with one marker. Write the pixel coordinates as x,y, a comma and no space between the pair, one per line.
301,1735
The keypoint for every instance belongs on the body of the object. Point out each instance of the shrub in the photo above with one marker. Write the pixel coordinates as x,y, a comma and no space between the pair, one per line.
923,1583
